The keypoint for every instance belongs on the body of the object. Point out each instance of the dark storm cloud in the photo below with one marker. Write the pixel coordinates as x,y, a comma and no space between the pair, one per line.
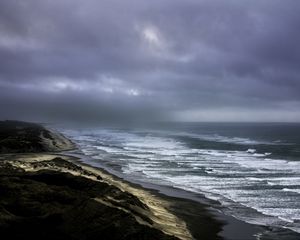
195,58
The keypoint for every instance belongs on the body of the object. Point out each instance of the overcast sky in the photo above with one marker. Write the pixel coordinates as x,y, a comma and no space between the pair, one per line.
189,60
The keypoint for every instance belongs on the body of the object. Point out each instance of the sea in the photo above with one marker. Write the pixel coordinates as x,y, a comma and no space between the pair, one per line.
251,169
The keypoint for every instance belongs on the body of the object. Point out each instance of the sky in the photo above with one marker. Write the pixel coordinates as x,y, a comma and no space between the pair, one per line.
179,60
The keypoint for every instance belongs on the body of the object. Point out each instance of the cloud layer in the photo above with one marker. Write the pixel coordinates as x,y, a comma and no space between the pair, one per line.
192,60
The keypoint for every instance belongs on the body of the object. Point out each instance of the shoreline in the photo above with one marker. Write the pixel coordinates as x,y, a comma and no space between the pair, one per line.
181,200
226,227
156,209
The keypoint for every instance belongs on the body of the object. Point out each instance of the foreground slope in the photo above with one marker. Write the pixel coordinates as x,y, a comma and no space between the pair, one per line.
47,196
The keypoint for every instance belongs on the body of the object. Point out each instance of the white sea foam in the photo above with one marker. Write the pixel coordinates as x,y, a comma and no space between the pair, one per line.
292,190
251,150
227,139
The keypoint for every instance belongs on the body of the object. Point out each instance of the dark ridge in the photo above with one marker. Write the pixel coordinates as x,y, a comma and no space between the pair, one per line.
24,137
17,137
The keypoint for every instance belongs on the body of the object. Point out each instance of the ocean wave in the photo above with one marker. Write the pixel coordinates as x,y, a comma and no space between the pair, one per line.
292,190
227,139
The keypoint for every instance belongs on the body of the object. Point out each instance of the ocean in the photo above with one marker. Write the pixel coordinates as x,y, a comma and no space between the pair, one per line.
251,169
